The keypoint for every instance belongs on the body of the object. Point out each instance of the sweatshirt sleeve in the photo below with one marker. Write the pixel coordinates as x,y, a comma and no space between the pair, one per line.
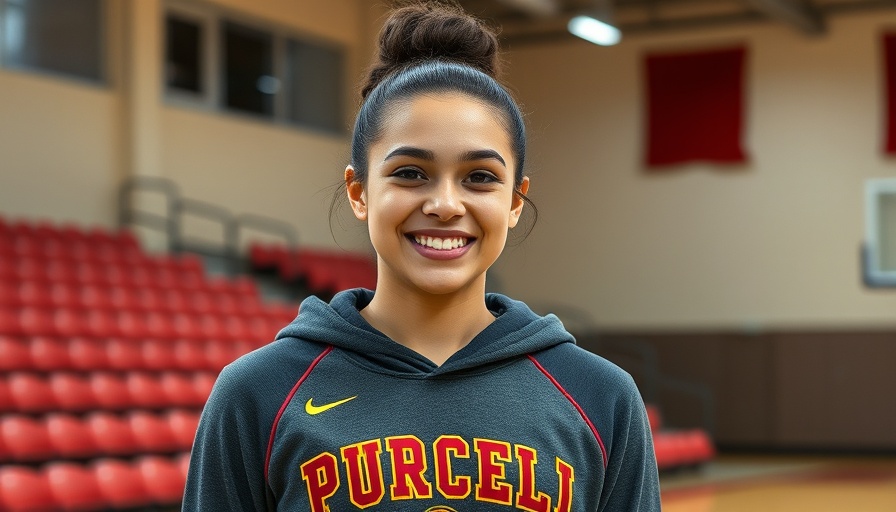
227,461
632,482
610,399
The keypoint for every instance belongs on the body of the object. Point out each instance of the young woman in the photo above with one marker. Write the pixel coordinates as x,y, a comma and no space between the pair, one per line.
427,394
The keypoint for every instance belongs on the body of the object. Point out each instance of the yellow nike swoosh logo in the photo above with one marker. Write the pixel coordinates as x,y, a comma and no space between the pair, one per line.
317,409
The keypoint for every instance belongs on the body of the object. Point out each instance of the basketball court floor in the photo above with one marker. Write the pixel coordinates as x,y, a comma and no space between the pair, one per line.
784,484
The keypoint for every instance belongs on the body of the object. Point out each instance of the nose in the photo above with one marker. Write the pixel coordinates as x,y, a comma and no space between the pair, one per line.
444,201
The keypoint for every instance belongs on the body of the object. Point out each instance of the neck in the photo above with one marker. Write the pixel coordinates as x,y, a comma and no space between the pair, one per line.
426,323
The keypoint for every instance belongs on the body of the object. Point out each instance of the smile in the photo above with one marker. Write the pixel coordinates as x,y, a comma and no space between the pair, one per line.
441,244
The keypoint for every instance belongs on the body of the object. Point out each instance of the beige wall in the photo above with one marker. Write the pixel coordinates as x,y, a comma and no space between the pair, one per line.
772,244
59,149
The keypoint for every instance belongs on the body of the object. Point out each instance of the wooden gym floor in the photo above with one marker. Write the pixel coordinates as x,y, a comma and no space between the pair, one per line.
784,484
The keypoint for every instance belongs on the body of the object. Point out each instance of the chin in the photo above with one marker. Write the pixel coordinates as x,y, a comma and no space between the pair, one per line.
434,284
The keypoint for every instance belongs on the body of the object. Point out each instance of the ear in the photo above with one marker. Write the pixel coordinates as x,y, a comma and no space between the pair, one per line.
357,196
516,205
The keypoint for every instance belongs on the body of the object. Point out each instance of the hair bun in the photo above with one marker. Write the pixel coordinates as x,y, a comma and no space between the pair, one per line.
428,31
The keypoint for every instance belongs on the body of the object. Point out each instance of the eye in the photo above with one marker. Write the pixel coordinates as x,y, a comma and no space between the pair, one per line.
408,173
482,178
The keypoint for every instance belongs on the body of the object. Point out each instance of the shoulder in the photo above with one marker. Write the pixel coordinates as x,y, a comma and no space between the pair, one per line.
605,393
586,371
264,377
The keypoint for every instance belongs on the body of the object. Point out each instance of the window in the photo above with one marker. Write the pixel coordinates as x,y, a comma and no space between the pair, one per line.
183,55
249,83
217,60
311,98
59,36
879,264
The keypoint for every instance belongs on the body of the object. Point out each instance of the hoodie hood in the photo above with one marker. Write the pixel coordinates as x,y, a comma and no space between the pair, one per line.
516,331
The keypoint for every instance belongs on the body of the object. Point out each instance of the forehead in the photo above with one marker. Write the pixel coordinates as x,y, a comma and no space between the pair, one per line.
447,120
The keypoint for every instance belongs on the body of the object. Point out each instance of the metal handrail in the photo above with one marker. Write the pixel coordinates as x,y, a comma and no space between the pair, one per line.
209,211
266,224
128,214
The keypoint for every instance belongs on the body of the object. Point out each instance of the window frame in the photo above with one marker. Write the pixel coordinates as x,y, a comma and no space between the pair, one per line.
214,19
104,80
873,272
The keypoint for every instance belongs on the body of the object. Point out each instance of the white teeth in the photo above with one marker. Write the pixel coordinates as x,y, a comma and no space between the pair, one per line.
442,244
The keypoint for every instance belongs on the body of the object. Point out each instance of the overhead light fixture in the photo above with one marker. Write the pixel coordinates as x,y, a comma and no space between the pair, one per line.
594,30
596,25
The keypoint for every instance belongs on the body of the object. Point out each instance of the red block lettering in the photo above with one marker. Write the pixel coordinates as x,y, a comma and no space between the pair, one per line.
364,471
408,466
567,477
525,497
491,472
321,476
451,486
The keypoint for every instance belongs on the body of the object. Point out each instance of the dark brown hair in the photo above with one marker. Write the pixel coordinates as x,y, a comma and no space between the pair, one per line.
420,32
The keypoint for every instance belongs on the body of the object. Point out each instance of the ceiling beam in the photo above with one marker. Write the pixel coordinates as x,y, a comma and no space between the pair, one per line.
797,13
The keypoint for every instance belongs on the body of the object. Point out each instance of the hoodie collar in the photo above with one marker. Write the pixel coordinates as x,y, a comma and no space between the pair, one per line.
516,331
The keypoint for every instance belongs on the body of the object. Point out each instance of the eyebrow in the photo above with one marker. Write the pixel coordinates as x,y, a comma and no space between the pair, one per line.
425,154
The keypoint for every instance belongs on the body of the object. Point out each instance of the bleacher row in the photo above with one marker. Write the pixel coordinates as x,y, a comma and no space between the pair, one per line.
320,271
678,448
107,355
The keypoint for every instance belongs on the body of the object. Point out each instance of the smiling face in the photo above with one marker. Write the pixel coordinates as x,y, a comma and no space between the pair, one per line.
439,195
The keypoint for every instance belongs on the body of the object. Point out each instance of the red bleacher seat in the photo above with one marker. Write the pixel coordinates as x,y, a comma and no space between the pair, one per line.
123,354
179,390
162,479
145,390
31,393
35,294
124,298
9,293
183,425
120,483
152,300
133,325
6,400
218,354
211,327
37,322
65,295
25,438
94,297
48,353
189,355
70,436
151,432
237,329
62,271
74,487
88,272
9,322
111,434
72,391
187,327
158,354
87,354
102,324
23,489
110,391
14,354
241,348
203,383
225,303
